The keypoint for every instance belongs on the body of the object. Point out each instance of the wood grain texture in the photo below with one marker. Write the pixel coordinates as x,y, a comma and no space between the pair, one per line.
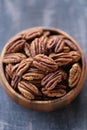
70,16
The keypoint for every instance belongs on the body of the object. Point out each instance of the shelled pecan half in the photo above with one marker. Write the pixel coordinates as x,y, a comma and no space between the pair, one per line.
65,58
28,35
44,63
59,92
23,66
38,46
74,75
13,57
27,49
15,44
51,80
28,90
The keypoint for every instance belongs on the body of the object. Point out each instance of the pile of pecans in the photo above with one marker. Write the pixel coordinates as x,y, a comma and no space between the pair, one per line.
42,64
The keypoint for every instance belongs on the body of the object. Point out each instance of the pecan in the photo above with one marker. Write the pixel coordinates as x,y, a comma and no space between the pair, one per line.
61,59
32,76
15,44
38,46
46,33
74,75
44,63
11,70
53,41
14,68
34,47
75,56
61,46
66,49
51,80
15,80
28,90
23,66
8,70
65,58
32,34
27,49
62,86
55,92
13,58
34,70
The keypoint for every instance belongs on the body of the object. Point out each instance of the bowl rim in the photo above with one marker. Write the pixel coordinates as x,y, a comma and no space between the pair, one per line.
71,95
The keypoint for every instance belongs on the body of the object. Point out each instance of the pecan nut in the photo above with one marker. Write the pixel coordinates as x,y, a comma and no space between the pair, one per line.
46,33
65,45
44,63
75,56
53,41
38,46
27,49
28,90
55,92
23,66
15,44
13,58
32,76
65,58
32,34
51,80
8,70
15,80
74,75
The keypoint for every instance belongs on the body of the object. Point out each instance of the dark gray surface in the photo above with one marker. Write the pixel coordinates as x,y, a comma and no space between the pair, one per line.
68,15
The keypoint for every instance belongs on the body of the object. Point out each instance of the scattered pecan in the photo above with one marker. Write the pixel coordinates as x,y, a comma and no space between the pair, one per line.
28,90
51,80
44,63
13,58
74,75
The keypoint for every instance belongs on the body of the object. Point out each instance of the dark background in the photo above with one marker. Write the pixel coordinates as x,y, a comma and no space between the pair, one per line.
68,15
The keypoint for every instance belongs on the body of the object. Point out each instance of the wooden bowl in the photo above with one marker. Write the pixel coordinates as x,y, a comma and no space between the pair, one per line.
44,105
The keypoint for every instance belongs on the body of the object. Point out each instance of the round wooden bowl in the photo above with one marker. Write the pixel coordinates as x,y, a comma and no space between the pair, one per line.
44,105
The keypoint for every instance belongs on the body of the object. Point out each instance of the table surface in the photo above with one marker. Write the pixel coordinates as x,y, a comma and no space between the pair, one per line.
68,15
